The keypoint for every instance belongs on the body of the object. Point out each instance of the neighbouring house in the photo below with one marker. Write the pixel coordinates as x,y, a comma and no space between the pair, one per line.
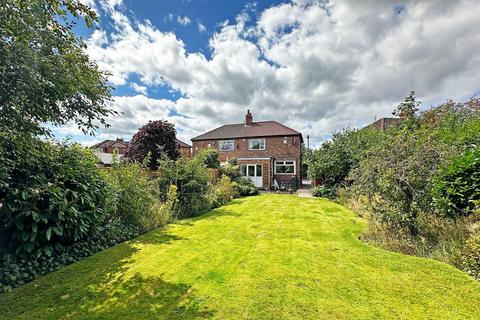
185,149
109,146
104,150
384,123
268,152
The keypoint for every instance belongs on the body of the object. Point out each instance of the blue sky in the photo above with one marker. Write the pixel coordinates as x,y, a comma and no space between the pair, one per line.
317,66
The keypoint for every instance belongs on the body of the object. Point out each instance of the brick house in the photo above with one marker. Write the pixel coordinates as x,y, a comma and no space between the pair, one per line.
185,149
268,152
384,123
108,146
104,150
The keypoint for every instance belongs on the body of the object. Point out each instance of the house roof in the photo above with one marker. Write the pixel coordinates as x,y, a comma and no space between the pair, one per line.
122,143
256,129
182,144
111,143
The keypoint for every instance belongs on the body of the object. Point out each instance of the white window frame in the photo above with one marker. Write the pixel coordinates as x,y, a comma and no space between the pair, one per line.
221,142
283,162
256,139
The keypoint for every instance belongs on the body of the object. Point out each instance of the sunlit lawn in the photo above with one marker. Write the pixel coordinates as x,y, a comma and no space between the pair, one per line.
264,257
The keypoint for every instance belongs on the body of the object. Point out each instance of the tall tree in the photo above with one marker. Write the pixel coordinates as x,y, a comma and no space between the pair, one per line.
408,108
154,140
46,78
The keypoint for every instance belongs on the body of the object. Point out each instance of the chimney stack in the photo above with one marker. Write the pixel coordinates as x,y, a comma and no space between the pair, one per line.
248,118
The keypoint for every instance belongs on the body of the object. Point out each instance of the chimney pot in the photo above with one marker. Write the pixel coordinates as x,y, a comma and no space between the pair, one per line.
248,118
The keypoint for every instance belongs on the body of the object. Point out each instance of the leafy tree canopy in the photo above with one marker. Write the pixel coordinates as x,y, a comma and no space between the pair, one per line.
46,78
334,159
152,142
408,108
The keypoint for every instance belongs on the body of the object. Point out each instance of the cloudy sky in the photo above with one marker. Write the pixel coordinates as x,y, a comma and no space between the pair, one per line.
317,66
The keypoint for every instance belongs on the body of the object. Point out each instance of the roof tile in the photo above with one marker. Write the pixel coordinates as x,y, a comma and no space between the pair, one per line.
240,130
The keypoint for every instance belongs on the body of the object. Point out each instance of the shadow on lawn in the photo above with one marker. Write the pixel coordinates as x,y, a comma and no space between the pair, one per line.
139,297
121,294
105,288
157,237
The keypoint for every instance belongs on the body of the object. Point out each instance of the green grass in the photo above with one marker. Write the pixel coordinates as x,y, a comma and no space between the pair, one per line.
264,257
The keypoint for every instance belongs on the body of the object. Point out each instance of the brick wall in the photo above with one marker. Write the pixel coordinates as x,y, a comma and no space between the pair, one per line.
111,150
185,152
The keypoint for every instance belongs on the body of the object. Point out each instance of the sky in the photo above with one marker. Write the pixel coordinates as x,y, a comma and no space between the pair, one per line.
316,66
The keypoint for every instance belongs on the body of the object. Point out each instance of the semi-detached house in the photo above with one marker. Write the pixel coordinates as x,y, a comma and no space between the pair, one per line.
268,152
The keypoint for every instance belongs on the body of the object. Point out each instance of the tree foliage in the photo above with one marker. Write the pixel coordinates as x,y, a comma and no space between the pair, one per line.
457,186
152,142
334,159
45,75
49,194
190,176
397,175
210,157
408,108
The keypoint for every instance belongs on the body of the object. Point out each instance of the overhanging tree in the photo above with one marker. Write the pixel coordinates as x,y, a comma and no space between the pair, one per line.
46,78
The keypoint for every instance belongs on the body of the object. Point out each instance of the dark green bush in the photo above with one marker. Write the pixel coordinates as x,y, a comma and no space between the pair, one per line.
457,186
323,192
49,193
231,170
15,271
246,187
209,157
333,160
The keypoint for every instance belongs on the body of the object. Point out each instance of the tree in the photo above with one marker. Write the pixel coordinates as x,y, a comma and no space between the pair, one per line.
407,109
333,160
210,158
45,75
154,140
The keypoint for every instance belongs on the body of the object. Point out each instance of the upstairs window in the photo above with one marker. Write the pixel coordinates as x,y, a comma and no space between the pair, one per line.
256,144
285,167
226,145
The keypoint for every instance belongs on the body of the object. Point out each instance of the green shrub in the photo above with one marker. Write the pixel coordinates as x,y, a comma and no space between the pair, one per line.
456,187
246,187
223,191
333,160
191,178
49,193
231,170
15,270
471,254
164,211
324,192
135,196
209,157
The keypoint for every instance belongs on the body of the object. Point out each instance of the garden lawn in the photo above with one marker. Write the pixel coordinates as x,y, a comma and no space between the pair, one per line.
264,257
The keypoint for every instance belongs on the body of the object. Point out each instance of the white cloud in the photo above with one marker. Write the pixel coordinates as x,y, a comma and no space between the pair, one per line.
139,88
183,20
201,27
90,3
313,65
